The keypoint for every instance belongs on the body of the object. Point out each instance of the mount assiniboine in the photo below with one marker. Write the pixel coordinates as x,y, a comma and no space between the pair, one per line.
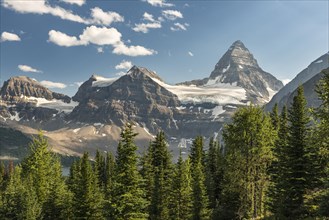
94,115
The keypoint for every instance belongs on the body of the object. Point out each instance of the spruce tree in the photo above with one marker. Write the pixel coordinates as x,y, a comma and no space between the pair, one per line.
128,195
275,116
162,170
200,202
87,196
100,169
43,168
249,140
296,174
181,191
321,140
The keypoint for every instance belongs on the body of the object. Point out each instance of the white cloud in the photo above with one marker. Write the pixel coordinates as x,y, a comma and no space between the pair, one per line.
6,36
100,50
144,28
159,3
26,68
64,40
121,73
148,17
190,54
76,2
179,27
50,84
172,14
99,36
133,51
285,81
42,7
78,83
124,65
105,18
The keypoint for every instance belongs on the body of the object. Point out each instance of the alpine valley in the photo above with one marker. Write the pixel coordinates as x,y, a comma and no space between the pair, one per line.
93,117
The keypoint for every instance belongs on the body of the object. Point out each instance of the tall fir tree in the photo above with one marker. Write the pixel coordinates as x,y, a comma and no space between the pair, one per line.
43,168
249,140
181,191
279,167
296,172
200,202
87,196
162,173
274,114
321,140
128,195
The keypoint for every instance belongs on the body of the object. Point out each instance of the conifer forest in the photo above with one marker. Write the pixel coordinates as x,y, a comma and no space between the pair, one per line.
264,166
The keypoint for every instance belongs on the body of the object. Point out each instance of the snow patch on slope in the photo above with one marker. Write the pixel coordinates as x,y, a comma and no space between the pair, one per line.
102,81
222,94
56,104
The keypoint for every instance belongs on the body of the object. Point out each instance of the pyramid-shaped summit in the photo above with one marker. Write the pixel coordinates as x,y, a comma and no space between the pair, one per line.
239,67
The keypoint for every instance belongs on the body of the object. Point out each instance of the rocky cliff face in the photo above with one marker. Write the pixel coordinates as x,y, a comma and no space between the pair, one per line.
282,97
20,96
17,87
239,67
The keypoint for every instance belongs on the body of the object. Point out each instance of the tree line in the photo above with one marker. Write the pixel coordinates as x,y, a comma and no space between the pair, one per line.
268,166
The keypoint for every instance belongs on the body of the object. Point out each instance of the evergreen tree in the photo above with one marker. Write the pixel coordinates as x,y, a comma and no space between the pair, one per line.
128,196
249,140
200,201
279,167
181,191
321,140
20,199
43,168
275,116
162,169
296,173
87,197
100,169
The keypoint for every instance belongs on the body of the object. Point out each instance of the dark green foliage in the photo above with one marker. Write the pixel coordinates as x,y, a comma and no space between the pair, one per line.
249,140
181,191
275,116
200,203
87,197
128,195
296,173
161,170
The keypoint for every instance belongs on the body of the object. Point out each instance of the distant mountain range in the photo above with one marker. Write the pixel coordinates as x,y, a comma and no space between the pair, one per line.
92,118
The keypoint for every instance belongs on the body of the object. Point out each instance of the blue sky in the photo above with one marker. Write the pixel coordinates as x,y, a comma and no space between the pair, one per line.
63,42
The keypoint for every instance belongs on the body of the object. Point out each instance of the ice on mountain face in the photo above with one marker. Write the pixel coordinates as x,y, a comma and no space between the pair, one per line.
225,69
102,81
15,117
182,143
56,104
319,61
218,110
76,130
241,67
223,93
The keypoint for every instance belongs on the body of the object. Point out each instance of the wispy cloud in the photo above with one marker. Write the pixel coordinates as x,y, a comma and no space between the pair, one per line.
105,18
179,27
42,7
97,15
100,50
124,65
6,36
159,3
99,36
148,17
26,68
51,85
190,54
172,14
75,2
144,27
